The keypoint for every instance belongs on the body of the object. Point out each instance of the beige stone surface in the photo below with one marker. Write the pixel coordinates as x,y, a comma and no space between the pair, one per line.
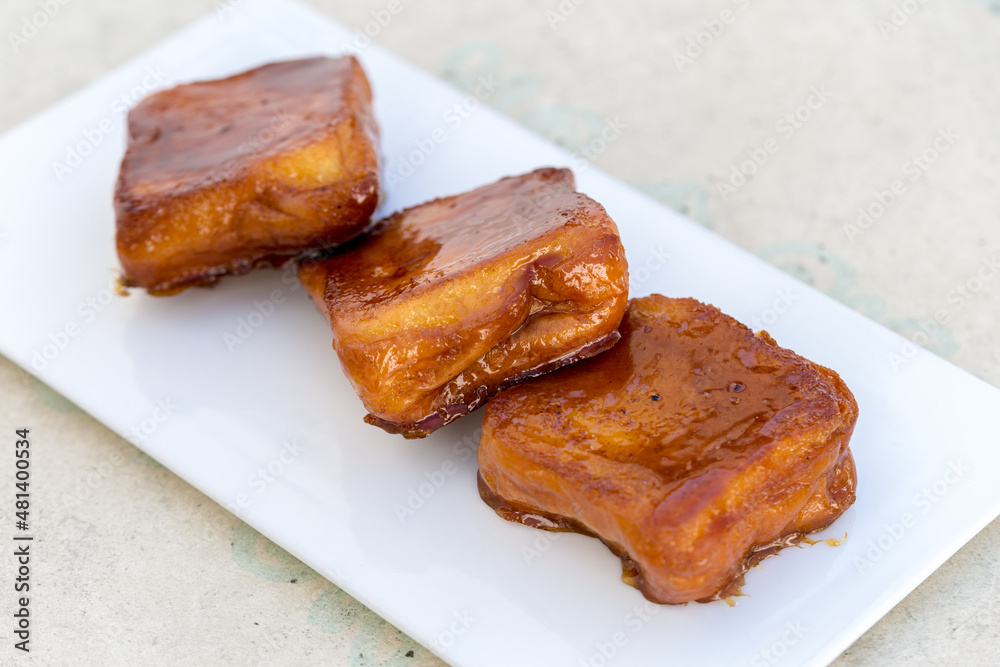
134,566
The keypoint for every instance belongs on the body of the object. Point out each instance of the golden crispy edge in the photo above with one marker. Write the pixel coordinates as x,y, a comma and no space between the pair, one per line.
830,493
597,338
133,223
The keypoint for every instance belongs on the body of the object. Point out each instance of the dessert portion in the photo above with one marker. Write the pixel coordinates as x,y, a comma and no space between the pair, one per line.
443,304
693,449
223,176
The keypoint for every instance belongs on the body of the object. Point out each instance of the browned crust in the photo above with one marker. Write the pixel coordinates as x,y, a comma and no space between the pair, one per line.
599,448
632,572
223,177
469,294
453,411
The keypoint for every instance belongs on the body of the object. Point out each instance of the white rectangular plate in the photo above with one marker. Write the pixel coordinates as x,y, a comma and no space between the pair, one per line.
924,444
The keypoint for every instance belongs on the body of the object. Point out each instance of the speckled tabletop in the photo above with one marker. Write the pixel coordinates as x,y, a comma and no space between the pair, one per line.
854,144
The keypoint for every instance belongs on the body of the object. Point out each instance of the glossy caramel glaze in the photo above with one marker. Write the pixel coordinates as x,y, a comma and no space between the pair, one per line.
224,176
445,303
693,448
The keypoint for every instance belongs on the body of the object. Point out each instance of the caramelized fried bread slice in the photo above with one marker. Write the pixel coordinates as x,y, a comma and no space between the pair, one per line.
693,448
446,302
223,176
